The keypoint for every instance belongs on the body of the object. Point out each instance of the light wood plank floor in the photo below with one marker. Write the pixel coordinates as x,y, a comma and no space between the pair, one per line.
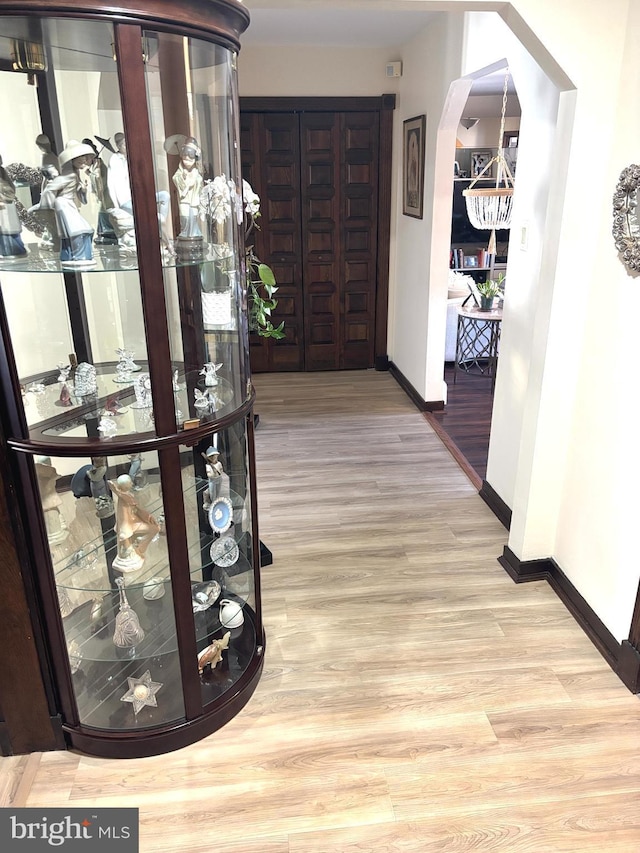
414,698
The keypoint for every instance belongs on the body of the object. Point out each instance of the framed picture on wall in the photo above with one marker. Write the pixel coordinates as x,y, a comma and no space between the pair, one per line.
413,166
479,160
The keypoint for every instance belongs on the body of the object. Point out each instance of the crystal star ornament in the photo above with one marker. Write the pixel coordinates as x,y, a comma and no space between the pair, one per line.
142,691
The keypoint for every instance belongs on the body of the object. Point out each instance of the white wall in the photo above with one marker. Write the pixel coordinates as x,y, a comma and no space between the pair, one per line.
596,543
289,71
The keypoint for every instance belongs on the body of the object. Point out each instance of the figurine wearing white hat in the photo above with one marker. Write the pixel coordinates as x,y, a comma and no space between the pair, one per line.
65,194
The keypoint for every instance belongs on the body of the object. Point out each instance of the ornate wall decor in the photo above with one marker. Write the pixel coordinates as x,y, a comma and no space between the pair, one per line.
626,230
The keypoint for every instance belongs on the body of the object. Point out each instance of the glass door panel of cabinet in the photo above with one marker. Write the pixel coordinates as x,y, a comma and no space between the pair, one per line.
219,529
80,353
65,164
190,84
104,524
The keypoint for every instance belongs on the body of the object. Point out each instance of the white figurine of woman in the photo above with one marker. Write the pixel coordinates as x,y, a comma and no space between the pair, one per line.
119,186
118,183
65,194
188,182
11,245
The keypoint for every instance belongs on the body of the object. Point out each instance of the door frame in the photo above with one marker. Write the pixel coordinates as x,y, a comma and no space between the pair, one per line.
384,105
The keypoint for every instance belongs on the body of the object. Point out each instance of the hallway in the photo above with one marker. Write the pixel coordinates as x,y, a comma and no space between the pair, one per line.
414,698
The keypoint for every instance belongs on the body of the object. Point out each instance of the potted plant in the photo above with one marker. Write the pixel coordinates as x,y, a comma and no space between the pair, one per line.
261,282
488,291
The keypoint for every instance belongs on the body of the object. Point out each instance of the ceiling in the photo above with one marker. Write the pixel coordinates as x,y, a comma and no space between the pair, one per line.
327,24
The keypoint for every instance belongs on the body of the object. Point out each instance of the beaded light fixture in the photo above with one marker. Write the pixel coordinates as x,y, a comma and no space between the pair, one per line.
490,208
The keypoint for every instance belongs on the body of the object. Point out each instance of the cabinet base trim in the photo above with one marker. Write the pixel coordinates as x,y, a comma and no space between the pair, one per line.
137,745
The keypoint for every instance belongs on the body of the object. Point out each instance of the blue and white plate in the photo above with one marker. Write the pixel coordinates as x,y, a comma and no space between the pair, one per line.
221,515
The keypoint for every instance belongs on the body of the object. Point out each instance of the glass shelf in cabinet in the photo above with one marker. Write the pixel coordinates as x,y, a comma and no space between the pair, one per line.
40,259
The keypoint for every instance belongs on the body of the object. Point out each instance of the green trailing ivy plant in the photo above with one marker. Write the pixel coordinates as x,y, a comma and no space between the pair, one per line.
261,282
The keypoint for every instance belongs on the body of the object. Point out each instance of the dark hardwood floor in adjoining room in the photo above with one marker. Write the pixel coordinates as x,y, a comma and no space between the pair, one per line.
465,422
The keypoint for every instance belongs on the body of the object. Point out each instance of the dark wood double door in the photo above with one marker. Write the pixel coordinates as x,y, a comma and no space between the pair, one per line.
324,228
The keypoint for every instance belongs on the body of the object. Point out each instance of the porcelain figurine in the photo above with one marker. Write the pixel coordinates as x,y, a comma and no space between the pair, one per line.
136,472
214,471
65,195
188,181
97,476
98,177
210,371
11,245
49,161
135,527
121,214
212,654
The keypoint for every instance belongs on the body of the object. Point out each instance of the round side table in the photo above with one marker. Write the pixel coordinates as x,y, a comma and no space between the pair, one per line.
477,342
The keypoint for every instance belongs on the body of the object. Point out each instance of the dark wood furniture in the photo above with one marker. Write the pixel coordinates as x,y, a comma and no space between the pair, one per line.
122,532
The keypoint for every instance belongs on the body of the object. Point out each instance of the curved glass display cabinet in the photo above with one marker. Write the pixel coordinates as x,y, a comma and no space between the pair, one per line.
125,369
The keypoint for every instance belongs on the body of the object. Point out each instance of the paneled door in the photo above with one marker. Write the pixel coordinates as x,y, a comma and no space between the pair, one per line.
323,229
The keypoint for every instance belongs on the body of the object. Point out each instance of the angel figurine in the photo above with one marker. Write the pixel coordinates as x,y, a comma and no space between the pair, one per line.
65,370
203,401
210,373
126,358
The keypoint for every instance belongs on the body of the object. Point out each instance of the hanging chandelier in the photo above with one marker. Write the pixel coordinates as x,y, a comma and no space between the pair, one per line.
490,208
